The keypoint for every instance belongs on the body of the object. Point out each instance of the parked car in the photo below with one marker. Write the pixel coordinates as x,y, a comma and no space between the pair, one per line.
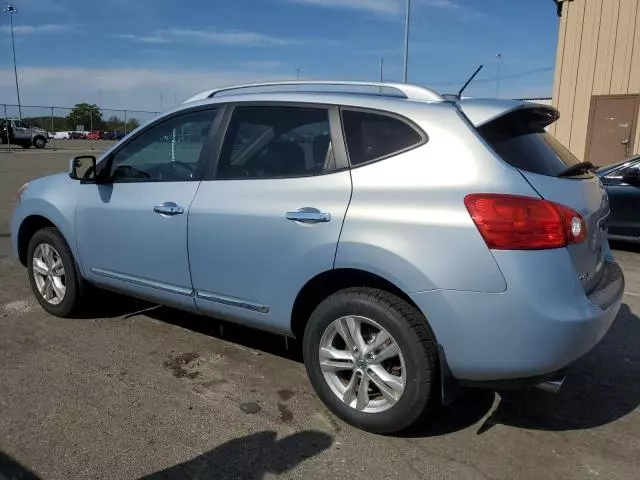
62,135
113,135
19,132
77,136
94,135
622,183
416,244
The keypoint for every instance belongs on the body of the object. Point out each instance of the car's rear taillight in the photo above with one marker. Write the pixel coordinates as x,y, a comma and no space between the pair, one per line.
513,222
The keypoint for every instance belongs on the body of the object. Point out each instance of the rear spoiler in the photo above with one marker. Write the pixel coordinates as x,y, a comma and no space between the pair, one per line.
480,111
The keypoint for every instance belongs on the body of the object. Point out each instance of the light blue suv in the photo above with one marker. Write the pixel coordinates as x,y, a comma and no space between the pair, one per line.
412,242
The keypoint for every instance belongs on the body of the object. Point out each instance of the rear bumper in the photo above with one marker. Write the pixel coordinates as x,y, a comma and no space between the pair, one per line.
541,324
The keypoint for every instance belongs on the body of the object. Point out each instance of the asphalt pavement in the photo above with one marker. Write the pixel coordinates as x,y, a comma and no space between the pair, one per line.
139,391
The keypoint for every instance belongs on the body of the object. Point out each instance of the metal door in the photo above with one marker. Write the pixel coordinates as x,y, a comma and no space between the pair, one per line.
612,127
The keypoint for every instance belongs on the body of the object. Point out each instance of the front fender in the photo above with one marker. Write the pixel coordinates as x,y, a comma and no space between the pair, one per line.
54,199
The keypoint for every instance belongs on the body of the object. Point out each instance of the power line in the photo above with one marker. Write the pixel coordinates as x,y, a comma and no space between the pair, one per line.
493,79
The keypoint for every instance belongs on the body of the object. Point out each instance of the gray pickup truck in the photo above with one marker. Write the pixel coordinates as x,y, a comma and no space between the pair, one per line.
21,133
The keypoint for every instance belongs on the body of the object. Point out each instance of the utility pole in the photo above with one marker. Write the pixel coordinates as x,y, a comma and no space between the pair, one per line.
381,74
12,11
405,75
499,58
161,102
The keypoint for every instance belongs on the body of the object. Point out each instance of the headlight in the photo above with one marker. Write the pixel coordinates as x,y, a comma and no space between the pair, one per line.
19,193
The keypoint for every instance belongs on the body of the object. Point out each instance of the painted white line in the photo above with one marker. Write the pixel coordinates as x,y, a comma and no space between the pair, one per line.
631,294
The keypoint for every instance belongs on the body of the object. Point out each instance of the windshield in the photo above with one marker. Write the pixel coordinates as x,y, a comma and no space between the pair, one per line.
520,139
611,167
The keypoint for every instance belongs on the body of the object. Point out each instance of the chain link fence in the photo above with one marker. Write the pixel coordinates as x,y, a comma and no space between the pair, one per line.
68,130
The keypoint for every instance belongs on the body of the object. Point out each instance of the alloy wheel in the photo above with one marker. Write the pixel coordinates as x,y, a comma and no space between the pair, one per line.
48,273
362,364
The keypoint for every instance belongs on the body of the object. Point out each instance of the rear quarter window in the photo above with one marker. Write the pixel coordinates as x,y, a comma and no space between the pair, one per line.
521,140
372,136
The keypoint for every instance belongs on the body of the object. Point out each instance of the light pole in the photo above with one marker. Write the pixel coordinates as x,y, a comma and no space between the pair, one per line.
499,58
12,11
406,43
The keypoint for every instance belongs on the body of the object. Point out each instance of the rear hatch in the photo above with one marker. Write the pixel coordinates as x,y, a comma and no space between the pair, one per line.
516,132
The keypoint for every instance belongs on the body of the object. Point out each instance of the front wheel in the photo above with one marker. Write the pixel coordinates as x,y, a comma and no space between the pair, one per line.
52,273
39,142
371,358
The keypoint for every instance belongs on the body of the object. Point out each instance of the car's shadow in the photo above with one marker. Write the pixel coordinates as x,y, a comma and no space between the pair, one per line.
600,388
251,457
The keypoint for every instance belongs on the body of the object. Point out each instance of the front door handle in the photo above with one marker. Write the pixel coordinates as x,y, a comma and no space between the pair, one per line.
308,215
169,209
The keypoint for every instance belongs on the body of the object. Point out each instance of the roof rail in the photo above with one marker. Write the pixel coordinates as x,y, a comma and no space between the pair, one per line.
411,92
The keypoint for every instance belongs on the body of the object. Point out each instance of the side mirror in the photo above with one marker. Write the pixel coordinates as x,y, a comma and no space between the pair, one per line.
83,168
631,176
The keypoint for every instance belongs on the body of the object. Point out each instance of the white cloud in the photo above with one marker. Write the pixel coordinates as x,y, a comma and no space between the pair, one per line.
391,9
156,39
131,88
212,36
49,29
375,6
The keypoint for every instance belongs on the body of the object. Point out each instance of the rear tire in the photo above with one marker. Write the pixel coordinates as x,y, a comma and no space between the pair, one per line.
407,380
53,274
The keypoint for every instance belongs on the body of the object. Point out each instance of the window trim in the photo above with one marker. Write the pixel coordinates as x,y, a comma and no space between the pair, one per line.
424,138
335,131
104,166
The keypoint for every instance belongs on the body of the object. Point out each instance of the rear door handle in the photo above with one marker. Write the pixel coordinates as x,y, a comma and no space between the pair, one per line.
169,209
308,215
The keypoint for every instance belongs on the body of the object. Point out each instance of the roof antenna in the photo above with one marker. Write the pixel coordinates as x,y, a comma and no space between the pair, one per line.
459,94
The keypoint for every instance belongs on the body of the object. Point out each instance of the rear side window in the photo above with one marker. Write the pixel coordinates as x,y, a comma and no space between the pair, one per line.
372,136
520,139
276,142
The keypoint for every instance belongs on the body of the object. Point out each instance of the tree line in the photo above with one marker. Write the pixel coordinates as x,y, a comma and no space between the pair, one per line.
87,115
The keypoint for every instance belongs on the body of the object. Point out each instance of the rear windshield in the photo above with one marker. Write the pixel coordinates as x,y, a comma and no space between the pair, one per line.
520,139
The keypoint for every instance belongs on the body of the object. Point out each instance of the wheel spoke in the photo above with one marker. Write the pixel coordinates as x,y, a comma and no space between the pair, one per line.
390,386
387,352
356,332
48,255
352,388
47,290
332,359
40,267
343,330
378,342
60,290
363,393
57,270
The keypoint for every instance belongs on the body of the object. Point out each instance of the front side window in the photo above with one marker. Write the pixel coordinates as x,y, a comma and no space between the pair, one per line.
21,124
372,136
276,142
165,152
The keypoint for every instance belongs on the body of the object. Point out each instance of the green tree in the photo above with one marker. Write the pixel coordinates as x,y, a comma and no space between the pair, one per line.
132,124
85,114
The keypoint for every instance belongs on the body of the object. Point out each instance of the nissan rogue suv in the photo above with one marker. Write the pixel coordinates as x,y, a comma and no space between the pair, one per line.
413,242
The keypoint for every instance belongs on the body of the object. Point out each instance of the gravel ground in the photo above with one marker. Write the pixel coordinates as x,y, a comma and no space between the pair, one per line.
137,391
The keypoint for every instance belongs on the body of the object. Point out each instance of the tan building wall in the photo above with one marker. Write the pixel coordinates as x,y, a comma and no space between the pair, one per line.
598,54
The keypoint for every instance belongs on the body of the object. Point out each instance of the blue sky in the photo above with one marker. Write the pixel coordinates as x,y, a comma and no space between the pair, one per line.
127,53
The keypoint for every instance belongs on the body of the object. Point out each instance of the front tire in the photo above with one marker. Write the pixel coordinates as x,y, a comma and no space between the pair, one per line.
53,275
371,359
39,142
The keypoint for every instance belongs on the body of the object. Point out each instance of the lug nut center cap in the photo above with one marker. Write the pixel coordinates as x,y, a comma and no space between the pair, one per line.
361,363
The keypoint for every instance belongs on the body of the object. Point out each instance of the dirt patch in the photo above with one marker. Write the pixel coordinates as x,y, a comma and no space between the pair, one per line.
250,408
285,395
181,365
286,415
